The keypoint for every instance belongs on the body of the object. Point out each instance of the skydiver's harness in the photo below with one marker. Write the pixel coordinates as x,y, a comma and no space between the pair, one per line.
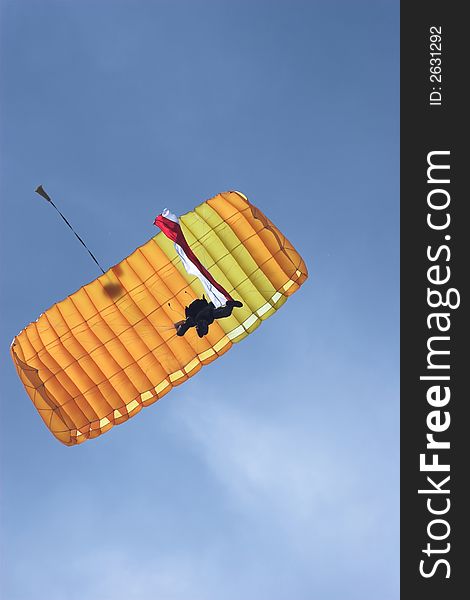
200,314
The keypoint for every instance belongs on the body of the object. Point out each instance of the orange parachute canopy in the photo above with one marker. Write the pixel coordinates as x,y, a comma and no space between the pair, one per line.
98,357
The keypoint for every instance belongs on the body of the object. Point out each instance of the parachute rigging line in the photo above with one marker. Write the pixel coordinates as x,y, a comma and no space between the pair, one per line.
41,191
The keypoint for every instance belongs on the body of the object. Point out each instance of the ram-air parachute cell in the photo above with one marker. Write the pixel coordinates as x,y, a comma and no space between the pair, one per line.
98,357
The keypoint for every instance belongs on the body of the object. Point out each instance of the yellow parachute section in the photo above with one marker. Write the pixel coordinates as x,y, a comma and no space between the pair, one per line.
98,357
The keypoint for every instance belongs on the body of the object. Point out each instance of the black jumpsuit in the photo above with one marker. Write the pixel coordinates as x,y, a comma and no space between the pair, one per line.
201,314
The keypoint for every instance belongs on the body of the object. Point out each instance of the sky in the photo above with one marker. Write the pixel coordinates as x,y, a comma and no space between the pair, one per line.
272,474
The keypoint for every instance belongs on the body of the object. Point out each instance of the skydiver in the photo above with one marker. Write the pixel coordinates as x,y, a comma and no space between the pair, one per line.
200,314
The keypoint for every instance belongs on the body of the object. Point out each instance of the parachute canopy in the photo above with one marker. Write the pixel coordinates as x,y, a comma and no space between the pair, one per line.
98,357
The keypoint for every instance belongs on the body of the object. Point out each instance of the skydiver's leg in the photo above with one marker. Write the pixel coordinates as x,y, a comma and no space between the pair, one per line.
226,311
202,328
222,311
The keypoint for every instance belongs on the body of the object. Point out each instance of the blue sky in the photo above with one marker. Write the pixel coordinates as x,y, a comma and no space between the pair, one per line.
273,474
